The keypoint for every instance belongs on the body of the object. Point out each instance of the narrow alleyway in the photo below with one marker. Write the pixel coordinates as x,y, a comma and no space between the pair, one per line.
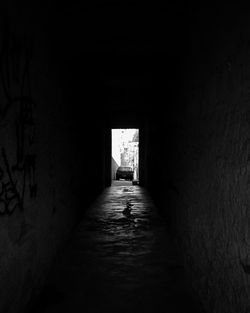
120,260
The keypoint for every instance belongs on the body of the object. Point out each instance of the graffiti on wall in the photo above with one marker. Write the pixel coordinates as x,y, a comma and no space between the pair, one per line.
18,172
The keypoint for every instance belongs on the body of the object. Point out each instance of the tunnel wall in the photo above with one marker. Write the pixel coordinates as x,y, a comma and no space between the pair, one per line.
49,158
205,193
35,166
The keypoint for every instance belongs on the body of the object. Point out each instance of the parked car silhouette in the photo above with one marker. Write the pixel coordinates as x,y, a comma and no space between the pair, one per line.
124,172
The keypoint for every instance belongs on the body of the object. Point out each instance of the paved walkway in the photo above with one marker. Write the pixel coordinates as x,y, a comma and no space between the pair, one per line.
120,260
121,183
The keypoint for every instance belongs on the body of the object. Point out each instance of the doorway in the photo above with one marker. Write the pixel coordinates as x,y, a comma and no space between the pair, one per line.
125,156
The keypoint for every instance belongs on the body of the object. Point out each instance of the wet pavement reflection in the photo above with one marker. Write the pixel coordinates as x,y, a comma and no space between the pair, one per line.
119,260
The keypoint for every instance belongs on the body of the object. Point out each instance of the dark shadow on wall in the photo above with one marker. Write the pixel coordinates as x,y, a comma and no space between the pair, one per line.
114,166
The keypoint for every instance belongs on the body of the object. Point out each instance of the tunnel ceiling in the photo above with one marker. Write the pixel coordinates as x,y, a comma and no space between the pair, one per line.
124,55
117,55
116,49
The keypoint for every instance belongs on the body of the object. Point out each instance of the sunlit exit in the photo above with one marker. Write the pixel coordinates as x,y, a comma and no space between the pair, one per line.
125,155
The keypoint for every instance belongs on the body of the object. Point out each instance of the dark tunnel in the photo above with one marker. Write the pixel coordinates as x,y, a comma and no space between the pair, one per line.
69,73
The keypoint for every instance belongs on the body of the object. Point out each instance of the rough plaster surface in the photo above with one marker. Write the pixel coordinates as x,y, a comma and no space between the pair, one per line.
212,181
35,167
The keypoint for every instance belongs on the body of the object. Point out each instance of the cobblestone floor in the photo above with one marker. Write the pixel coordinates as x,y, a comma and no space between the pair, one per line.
119,260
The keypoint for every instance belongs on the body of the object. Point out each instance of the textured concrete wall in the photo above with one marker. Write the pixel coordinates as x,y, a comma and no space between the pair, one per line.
209,189
39,169
201,174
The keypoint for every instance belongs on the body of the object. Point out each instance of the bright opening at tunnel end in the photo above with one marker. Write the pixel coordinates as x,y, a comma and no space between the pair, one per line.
125,156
